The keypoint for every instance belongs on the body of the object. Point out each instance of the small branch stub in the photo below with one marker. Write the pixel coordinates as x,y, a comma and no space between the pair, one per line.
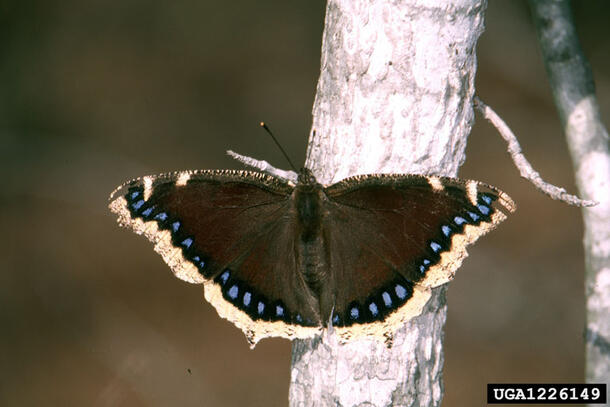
263,166
525,168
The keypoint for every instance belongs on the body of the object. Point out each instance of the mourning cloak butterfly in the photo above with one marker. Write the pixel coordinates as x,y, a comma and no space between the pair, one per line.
283,259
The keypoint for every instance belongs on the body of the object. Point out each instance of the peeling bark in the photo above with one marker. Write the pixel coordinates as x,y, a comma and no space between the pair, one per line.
394,96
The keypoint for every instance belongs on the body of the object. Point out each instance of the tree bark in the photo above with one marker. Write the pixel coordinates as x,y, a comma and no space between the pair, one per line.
574,93
394,96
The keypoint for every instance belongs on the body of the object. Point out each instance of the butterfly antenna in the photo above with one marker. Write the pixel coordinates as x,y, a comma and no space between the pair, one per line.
277,143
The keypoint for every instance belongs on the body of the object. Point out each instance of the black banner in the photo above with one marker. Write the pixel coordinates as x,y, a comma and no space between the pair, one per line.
522,393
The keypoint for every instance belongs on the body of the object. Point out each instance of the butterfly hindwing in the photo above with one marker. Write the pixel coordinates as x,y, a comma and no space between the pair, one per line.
393,237
229,230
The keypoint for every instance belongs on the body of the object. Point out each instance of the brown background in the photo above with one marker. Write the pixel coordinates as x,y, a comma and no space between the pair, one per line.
93,93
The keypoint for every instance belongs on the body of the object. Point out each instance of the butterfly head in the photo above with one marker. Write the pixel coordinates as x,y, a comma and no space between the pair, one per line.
306,177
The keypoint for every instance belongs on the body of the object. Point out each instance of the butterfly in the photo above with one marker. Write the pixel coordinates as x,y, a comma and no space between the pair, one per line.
290,259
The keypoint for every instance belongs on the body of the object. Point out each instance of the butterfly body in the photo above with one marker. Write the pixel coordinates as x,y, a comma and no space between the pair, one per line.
283,259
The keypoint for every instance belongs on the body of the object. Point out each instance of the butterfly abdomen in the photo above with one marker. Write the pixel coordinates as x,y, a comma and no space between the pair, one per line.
310,245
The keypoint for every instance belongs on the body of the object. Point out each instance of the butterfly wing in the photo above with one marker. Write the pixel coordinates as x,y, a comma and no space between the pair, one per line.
392,238
231,231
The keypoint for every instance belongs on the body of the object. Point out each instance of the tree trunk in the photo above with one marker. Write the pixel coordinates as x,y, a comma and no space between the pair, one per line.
574,92
394,96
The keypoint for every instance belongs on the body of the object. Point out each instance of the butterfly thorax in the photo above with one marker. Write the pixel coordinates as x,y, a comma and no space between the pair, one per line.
308,196
308,205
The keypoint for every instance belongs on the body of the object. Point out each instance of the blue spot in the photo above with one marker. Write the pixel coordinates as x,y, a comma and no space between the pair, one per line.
175,226
483,209
137,205
387,300
401,292
233,291
354,313
279,310
187,242
299,318
335,319
373,309
446,230
135,194
247,298
260,308
146,212
486,199
426,262
435,247
199,262
224,277
459,220
473,216
422,269
162,216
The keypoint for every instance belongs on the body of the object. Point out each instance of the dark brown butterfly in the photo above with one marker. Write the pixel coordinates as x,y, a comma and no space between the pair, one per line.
284,259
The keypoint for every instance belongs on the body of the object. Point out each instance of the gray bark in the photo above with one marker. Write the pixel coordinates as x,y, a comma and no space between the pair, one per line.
574,93
394,96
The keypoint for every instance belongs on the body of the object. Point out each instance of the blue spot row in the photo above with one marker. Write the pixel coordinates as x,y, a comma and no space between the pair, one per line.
377,306
472,215
483,206
143,209
257,306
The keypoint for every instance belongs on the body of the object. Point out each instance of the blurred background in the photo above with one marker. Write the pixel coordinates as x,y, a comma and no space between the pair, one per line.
94,93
